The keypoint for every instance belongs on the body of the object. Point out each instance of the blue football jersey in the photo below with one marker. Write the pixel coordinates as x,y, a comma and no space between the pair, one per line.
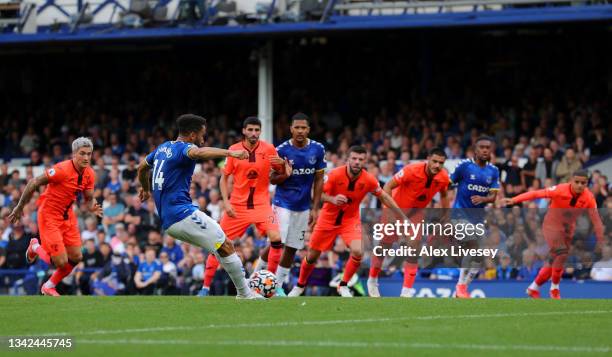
471,180
171,180
294,192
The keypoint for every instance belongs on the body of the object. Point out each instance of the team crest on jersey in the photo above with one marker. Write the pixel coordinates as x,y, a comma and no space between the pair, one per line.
489,180
51,172
312,160
252,174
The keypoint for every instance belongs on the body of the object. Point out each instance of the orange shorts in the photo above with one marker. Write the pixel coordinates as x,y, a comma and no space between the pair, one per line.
324,236
263,218
56,233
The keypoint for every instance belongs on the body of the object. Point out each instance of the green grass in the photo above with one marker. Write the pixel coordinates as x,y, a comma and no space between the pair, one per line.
217,326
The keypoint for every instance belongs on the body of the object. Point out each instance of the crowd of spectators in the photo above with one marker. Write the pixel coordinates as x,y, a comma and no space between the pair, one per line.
126,252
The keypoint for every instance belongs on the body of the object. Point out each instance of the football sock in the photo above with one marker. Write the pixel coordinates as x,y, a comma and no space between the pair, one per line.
233,266
542,277
281,274
471,275
42,253
375,266
59,274
351,267
276,250
305,271
211,268
410,270
262,264
463,276
556,277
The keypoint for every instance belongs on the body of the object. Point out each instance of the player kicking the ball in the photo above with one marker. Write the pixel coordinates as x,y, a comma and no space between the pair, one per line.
567,202
173,163
58,226
343,190
306,165
413,188
250,196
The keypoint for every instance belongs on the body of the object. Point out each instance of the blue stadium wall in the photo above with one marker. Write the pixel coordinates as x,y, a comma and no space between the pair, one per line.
391,287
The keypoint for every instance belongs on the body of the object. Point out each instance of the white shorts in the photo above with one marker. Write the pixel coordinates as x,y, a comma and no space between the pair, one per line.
200,230
293,226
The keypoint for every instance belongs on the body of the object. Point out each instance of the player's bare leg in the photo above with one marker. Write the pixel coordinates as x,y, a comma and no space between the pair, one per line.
308,265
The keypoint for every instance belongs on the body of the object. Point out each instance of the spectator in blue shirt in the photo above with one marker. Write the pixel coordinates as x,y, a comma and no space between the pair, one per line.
149,272
113,214
530,266
174,251
505,271
114,185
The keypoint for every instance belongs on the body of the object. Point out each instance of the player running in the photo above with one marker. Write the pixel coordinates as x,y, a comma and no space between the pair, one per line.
344,189
567,202
173,163
477,184
250,196
59,231
412,188
292,201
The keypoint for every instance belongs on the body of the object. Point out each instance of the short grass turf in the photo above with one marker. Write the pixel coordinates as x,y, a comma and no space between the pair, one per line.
215,326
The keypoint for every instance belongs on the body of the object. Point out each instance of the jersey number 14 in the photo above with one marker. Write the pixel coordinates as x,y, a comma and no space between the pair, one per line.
158,174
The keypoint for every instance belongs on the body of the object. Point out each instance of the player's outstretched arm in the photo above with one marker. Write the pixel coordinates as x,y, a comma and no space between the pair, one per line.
527,196
207,153
144,171
29,190
388,201
389,186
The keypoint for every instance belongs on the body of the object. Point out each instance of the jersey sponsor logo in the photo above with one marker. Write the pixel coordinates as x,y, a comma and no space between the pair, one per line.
303,171
252,174
477,188
166,150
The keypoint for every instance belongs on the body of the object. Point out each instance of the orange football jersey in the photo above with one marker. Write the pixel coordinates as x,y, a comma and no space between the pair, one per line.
415,188
337,182
65,184
251,177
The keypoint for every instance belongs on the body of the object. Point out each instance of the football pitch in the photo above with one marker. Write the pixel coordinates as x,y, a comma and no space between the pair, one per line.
215,326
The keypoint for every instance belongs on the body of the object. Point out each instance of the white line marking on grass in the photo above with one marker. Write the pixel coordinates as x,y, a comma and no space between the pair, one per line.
320,322
352,344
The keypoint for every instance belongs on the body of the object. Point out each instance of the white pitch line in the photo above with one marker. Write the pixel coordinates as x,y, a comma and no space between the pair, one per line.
320,322
353,344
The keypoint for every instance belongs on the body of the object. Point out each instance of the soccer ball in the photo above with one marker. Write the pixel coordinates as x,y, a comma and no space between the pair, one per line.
263,282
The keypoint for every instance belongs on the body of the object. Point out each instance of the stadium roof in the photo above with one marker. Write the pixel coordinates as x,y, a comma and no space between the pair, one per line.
513,16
